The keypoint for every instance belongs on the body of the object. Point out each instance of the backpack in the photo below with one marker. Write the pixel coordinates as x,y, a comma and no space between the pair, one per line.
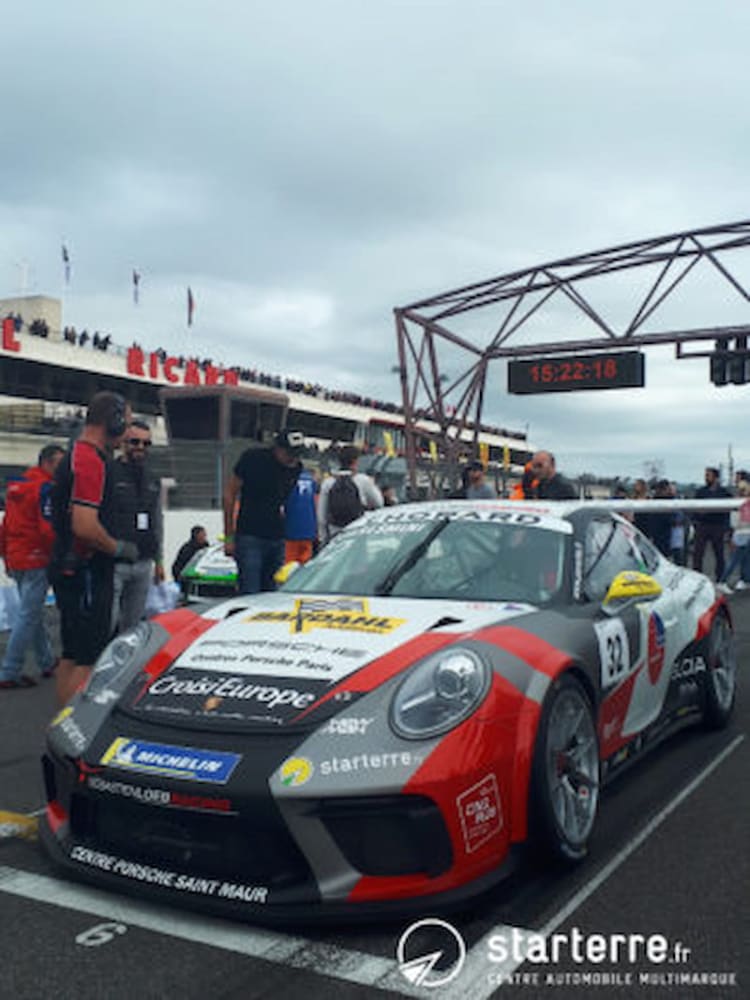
344,502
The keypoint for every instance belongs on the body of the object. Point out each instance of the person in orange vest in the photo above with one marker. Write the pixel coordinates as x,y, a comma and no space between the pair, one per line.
528,484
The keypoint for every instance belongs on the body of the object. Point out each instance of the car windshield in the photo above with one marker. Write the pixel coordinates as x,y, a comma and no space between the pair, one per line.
439,558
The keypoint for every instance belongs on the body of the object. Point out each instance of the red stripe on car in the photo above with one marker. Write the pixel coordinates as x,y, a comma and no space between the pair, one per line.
184,627
706,620
538,653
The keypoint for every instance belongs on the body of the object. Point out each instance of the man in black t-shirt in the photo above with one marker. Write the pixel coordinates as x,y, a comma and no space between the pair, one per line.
262,479
550,484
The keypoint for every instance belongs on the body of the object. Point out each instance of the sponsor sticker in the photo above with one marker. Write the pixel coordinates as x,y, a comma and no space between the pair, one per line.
158,796
614,650
66,724
480,812
351,615
175,762
347,726
230,696
656,647
370,762
296,771
296,656
216,888
688,668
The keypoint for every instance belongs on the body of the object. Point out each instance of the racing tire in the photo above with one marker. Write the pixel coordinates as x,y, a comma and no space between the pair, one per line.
565,773
720,677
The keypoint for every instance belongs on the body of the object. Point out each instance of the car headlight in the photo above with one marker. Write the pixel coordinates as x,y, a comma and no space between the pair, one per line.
120,657
439,693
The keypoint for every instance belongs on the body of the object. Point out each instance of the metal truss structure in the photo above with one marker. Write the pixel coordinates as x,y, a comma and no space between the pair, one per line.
451,407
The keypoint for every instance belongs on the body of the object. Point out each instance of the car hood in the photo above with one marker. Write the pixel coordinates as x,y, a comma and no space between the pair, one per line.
272,659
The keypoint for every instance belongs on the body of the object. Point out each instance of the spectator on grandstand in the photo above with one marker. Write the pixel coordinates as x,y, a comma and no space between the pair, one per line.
300,519
345,496
711,528
83,338
84,554
552,485
26,540
136,517
39,328
740,556
198,540
262,479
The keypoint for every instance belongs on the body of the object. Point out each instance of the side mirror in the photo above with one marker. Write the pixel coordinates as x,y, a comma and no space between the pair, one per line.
629,585
283,574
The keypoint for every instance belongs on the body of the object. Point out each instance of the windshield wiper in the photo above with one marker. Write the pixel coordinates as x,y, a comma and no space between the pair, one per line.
401,568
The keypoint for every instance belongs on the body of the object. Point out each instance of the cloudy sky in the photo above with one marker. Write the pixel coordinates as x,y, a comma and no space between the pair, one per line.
306,167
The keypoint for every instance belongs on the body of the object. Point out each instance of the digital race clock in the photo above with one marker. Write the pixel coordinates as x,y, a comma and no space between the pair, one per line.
621,370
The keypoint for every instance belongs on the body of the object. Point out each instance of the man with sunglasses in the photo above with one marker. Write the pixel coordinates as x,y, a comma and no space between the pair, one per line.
136,517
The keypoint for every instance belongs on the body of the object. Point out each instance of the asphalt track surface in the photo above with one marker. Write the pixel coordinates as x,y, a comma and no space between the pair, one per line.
669,857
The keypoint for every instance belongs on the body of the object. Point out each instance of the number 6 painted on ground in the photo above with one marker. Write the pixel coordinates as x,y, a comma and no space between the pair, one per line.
100,934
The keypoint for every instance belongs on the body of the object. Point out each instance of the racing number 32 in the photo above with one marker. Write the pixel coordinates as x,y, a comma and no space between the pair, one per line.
614,650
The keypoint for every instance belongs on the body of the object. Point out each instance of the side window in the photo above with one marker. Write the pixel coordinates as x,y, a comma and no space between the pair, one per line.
650,553
609,549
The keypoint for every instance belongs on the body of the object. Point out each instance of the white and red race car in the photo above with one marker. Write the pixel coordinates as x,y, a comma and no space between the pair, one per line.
443,683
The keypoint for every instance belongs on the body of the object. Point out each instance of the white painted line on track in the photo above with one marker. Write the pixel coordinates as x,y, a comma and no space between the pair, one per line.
473,981
296,952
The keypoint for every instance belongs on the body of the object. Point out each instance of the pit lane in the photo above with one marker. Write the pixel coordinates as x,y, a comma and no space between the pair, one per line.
669,856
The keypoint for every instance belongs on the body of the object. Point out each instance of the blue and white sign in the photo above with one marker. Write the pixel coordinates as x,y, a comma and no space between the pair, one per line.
175,762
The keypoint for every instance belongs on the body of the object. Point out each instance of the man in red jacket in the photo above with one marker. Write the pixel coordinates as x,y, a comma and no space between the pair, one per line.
26,540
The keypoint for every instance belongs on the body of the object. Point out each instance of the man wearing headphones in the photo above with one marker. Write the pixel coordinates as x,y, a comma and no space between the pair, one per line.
82,567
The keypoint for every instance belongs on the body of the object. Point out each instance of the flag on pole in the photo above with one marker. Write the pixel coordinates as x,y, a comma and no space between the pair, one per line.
66,263
484,453
506,457
390,451
190,306
136,285
433,451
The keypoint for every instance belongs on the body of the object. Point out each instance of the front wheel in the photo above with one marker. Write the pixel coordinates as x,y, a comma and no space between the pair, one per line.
720,677
565,772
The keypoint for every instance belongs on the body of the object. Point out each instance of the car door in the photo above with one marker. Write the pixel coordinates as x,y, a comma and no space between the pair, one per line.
634,639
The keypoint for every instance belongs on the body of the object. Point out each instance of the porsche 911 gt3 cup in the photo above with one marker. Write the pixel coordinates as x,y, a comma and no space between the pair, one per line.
442,684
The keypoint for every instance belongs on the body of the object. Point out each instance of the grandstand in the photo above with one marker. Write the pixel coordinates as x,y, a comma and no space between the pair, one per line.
48,372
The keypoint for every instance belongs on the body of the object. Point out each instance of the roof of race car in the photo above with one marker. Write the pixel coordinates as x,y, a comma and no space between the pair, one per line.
554,512
527,512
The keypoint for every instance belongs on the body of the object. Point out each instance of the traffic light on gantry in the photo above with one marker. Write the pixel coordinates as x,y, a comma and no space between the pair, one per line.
739,363
718,362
